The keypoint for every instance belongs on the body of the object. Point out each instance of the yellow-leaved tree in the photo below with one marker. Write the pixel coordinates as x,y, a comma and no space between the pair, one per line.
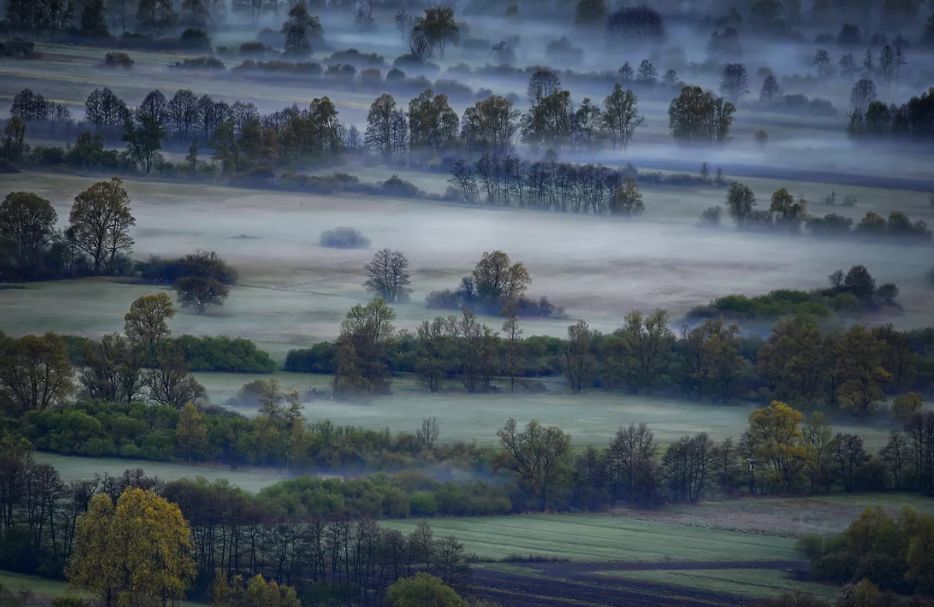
135,553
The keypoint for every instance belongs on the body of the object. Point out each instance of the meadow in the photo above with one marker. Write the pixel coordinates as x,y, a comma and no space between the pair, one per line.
591,418
293,292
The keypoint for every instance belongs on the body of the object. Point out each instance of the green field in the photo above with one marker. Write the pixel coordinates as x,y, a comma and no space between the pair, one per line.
591,418
72,468
751,583
596,537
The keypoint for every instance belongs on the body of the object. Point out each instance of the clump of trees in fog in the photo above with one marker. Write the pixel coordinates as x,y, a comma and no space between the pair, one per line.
790,215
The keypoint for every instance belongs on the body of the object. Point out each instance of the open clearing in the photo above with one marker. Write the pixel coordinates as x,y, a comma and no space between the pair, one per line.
34,590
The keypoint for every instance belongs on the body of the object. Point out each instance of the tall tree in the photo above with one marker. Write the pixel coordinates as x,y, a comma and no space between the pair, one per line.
35,372
27,222
146,324
100,222
136,553
437,27
621,116
538,455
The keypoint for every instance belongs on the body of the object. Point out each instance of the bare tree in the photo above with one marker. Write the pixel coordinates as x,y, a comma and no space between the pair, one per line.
389,276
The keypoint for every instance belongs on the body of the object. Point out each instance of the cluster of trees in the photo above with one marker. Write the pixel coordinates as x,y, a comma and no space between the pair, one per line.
508,180
96,240
851,369
134,539
911,120
496,286
781,451
880,551
848,294
790,215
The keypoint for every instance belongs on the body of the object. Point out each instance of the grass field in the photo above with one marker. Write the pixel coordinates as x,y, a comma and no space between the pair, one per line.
590,418
81,468
596,537
293,292
750,583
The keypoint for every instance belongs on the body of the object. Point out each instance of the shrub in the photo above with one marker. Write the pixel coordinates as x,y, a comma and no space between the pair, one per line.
199,63
344,238
118,59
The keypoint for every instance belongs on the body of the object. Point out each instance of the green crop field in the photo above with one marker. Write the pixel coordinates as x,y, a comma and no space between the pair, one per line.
749,583
595,537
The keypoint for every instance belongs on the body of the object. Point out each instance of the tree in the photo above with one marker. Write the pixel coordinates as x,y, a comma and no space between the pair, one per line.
422,590
905,406
630,465
437,27
550,121
770,90
696,115
155,14
497,279
512,336
579,360
35,372
686,467
543,82
641,23
301,30
489,125
94,20
590,12
427,434
774,440
858,370
647,74
793,362
137,553
143,137
112,369
386,126
146,324
432,122
388,275
27,223
644,346
538,455
169,382
360,348
862,94
103,108
788,212
627,199
13,146
740,201
100,221
191,433
200,292
621,116
734,82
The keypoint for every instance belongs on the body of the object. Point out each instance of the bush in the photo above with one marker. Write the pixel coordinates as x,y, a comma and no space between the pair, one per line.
118,59
224,354
316,359
199,63
344,238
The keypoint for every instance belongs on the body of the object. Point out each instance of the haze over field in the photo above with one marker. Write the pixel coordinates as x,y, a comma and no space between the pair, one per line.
467,304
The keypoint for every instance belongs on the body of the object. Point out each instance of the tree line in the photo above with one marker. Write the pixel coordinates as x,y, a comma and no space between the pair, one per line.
136,538
850,369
